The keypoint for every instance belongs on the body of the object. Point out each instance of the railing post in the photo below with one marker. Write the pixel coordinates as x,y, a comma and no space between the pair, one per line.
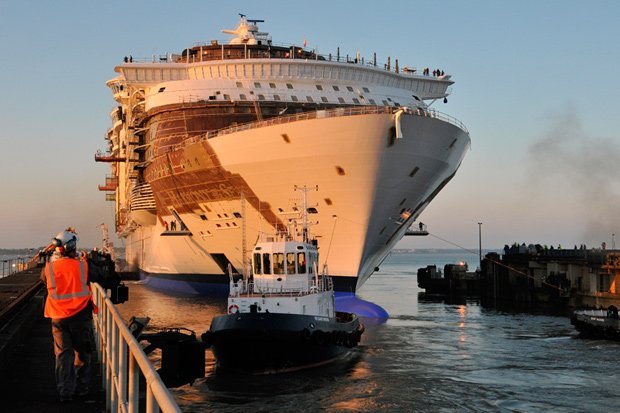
122,366
134,385
108,369
114,381
151,403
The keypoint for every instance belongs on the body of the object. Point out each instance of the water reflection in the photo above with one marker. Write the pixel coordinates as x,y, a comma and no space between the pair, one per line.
430,355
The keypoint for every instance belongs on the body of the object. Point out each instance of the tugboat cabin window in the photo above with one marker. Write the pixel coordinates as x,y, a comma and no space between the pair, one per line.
290,263
266,264
278,263
257,262
301,262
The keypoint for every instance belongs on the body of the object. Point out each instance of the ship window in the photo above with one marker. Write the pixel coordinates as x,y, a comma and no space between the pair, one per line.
414,171
161,89
328,201
290,263
336,88
257,264
226,97
389,99
396,104
239,84
278,263
312,210
385,103
266,264
257,85
203,217
243,96
349,88
261,97
272,85
324,99
356,100
319,87
309,99
294,98
366,90
289,86
276,97
415,97
372,101
301,262
340,170
237,214
403,201
341,100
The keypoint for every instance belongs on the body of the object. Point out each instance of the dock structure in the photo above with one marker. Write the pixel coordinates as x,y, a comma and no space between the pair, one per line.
27,382
557,280
27,378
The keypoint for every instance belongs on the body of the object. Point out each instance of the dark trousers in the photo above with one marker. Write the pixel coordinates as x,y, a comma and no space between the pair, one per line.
74,345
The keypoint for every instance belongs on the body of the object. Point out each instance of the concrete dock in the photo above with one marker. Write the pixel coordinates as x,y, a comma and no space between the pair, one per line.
27,382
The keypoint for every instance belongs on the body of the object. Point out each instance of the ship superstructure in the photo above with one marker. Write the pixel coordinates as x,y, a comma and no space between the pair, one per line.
206,144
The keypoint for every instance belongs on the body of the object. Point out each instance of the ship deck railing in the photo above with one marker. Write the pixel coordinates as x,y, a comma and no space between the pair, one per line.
306,55
320,114
123,361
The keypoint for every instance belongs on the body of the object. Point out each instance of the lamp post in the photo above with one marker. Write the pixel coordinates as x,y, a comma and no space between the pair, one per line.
480,243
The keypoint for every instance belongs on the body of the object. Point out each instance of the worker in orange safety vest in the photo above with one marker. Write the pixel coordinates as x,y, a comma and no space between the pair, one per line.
69,304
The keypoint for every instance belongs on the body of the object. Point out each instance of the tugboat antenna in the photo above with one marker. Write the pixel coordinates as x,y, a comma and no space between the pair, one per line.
304,215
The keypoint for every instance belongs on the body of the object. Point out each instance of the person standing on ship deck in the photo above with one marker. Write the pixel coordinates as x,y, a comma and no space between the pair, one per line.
69,305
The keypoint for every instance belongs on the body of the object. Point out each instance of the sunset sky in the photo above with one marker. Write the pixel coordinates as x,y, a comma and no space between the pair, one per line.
536,84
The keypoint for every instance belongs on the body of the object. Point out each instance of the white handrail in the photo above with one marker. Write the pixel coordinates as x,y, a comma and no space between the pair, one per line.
122,362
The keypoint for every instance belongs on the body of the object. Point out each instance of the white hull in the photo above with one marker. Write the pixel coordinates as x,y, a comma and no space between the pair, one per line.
369,192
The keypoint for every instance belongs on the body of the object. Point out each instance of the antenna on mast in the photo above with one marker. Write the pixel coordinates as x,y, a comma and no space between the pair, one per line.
304,213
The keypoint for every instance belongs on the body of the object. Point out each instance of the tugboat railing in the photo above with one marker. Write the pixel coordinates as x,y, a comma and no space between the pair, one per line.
123,362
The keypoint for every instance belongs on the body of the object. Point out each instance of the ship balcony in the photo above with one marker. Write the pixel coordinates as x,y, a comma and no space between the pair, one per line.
419,231
108,157
111,183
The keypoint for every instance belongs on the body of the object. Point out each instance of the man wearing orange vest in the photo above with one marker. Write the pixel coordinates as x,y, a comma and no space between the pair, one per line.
70,306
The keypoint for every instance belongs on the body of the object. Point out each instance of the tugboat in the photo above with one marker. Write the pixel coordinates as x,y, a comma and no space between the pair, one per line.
597,323
282,318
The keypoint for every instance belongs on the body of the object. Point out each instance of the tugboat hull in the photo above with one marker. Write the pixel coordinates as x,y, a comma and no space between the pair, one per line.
265,343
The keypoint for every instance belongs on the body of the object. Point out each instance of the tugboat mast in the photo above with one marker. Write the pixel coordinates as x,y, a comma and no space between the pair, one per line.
304,215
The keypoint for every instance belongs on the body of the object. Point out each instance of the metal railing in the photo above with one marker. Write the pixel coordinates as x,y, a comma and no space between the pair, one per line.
123,361
14,265
319,114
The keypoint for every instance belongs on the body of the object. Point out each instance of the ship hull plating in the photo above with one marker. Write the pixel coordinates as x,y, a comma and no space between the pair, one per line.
375,175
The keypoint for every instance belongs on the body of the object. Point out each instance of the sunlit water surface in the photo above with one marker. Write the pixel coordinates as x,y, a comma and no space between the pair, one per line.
429,356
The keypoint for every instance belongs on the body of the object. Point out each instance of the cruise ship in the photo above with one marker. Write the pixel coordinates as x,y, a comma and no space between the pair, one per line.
207,148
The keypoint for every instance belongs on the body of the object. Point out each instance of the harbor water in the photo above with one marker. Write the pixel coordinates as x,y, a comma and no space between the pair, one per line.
429,356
